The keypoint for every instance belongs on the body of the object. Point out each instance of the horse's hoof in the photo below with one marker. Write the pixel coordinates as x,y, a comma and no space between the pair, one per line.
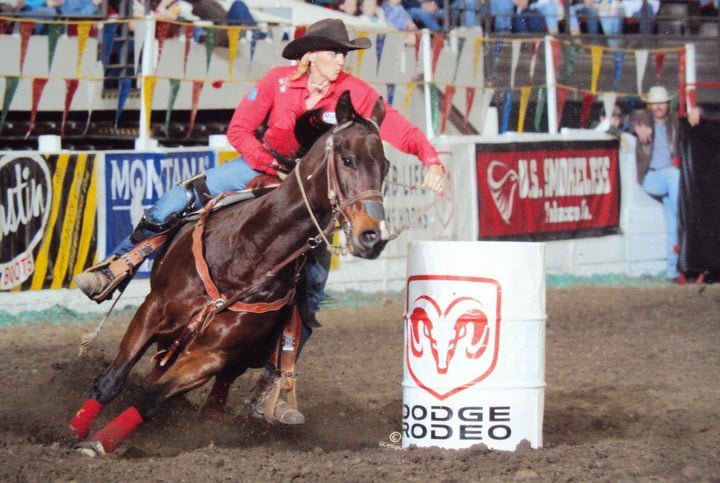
284,413
90,449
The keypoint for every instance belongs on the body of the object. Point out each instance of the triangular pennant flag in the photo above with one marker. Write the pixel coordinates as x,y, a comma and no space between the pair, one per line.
447,106
83,31
148,89
379,47
196,88
659,61
11,84
533,58
555,50
507,110
409,91
514,59
26,30
497,48
209,45
524,99
233,40
539,109
571,55
596,52
477,54
485,101
390,93
608,100
469,100
562,95
461,44
38,86
91,88
435,105
438,41
641,57
161,33
54,31
172,97
681,82
588,98
71,86
109,34
139,28
189,30
123,93
618,69
360,53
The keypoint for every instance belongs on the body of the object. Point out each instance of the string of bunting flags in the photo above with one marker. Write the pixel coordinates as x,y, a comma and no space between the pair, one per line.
563,52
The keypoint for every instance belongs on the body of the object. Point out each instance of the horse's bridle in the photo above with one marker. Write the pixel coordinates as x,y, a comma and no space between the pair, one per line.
338,201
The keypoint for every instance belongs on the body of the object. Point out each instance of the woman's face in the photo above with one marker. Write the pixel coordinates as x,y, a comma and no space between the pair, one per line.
327,64
368,7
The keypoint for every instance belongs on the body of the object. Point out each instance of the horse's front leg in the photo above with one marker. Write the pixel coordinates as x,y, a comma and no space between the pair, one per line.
214,408
108,385
191,370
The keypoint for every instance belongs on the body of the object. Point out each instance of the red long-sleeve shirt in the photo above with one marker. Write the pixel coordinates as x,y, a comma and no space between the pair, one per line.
282,102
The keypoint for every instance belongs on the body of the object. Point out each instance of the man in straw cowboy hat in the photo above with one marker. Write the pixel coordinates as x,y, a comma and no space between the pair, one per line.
658,161
278,99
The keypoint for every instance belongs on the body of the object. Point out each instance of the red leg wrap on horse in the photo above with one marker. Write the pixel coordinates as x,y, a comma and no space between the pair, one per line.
118,429
81,423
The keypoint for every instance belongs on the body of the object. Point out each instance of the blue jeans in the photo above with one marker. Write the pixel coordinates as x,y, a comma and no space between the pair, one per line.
231,176
78,7
502,10
665,184
426,18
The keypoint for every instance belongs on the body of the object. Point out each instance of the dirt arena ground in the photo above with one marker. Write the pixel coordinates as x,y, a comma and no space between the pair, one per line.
633,394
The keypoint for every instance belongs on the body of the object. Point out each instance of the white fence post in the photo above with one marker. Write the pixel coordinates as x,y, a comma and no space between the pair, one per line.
551,83
426,47
144,141
690,76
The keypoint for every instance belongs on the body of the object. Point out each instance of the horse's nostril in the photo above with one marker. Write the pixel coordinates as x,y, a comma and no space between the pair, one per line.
370,237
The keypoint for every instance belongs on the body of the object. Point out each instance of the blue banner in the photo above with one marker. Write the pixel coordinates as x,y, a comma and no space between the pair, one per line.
134,181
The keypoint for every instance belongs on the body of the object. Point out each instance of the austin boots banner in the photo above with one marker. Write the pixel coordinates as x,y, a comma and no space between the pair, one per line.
547,189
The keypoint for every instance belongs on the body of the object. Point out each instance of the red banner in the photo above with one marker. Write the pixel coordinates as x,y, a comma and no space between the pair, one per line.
549,187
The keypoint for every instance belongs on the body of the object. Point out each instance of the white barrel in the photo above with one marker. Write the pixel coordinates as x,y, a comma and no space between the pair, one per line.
474,357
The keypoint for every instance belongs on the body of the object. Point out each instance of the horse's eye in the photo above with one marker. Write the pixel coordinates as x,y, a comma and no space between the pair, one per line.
348,162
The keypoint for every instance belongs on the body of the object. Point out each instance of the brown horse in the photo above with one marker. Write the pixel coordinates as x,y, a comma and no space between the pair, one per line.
251,250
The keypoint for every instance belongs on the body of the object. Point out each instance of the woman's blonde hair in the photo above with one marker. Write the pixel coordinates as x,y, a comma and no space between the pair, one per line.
302,67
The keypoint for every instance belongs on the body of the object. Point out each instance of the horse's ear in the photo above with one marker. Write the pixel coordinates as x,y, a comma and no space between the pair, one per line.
378,112
308,128
344,111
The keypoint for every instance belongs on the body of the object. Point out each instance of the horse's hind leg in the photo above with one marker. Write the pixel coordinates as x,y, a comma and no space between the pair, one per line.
191,370
108,385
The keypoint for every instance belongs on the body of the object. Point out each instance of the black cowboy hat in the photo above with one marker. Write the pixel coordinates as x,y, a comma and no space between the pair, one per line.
327,34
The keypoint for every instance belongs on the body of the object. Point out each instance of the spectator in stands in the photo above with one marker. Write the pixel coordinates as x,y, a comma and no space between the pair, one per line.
540,16
10,6
658,160
708,7
397,16
502,11
369,11
608,13
349,7
645,11
39,9
614,124
80,7
425,13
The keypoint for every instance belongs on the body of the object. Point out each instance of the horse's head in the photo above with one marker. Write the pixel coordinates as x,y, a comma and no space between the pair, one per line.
356,167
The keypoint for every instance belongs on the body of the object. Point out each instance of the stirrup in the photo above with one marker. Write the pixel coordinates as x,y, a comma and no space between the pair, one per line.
115,279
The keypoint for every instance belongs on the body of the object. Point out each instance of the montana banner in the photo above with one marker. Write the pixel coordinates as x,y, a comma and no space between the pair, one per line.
134,182
547,189
47,214
699,222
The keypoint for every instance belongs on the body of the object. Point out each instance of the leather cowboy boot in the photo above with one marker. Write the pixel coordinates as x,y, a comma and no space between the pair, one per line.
99,281
260,396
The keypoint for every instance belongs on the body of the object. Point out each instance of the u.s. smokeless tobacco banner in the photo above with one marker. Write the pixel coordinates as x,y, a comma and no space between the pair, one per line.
547,187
